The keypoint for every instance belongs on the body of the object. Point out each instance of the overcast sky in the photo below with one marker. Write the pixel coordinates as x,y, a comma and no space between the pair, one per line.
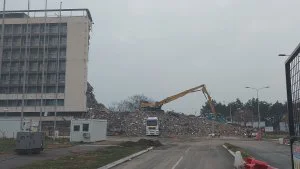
161,47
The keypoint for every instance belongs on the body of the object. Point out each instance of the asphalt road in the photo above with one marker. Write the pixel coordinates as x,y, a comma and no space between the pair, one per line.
276,155
205,154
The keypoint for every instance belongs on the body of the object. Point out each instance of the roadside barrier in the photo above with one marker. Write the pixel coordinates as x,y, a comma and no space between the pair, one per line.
252,163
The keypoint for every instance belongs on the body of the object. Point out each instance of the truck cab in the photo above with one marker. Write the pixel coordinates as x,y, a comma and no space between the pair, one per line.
152,126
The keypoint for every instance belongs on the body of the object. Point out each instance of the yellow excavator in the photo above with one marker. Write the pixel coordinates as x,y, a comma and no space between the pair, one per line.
155,106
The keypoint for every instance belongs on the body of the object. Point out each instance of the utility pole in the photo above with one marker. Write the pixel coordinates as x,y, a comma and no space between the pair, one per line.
257,90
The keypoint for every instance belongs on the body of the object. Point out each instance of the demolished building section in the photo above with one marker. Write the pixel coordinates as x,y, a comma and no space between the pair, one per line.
171,123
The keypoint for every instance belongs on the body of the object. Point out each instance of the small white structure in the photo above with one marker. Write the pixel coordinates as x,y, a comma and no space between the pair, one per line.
269,129
283,126
9,126
88,130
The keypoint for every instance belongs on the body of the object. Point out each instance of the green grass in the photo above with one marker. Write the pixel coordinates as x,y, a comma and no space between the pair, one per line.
90,160
234,148
7,145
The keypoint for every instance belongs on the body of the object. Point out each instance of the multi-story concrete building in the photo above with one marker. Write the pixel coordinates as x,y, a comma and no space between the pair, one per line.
43,62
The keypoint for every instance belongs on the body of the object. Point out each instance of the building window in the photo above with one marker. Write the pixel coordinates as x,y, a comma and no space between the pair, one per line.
31,90
62,66
13,90
63,53
17,41
30,103
85,127
60,102
53,41
5,66
52,66
33,66
4,79
3,90
51,78
8,29
63,28
50,102
61,89
13,103
76,128
50,89
53,28
32,78
61,78
17,29
14,79
6,54
35,28
52,54
63,40
3,103
35,41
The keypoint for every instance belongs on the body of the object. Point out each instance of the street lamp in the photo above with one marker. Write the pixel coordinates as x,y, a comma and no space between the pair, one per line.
257,90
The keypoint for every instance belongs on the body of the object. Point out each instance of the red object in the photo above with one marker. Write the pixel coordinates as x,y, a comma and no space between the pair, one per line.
258,135
252,163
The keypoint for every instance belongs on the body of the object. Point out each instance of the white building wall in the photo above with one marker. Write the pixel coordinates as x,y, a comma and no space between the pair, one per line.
97,130
9,127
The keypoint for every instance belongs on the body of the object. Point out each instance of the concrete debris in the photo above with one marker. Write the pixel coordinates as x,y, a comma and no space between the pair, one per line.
171,124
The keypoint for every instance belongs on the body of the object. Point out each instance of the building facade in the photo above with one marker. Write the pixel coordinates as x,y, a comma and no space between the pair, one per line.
43,62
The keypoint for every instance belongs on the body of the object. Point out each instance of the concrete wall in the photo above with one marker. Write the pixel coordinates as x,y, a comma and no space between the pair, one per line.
76,64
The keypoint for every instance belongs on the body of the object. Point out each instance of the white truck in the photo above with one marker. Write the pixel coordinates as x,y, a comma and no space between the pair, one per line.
152,126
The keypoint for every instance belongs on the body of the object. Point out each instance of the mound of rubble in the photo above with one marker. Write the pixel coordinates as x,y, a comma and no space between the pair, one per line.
171,124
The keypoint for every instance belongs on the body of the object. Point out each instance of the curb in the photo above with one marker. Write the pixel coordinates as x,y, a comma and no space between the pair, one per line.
125,159
231,152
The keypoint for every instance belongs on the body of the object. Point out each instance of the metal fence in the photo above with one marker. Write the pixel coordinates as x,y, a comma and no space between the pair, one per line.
292,71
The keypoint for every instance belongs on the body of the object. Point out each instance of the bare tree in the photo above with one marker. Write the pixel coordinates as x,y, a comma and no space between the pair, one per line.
132,103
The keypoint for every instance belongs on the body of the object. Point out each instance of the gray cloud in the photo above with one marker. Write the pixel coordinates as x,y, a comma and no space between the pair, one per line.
160,48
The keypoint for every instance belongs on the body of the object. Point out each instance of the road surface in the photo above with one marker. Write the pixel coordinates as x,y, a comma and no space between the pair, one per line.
276,155
205,154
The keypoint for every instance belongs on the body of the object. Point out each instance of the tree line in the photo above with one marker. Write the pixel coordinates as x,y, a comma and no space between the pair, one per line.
271,113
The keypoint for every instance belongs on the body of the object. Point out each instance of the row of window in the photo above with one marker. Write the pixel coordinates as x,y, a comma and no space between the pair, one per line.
34,66
34,41
31,89
34,28
33,54
49,78
31,102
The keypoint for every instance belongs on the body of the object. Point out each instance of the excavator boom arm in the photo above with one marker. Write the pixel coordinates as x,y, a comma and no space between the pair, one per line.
158,105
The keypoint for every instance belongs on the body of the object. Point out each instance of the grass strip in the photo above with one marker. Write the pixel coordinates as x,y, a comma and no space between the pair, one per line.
89,160
234,148
7,145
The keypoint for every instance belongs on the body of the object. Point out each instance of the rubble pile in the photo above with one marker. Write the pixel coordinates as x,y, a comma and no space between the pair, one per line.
92,102
171,124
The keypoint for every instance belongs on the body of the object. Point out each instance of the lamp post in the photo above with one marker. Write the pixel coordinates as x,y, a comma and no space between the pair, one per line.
257,91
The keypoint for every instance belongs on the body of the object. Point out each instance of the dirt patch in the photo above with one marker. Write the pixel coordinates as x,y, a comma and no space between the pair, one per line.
142,142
